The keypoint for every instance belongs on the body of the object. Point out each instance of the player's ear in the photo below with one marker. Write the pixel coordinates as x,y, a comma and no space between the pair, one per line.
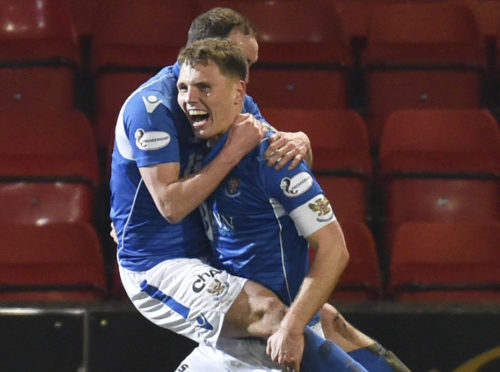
239,92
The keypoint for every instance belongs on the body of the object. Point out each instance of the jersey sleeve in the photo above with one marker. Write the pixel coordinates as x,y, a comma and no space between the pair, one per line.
151,130
299,195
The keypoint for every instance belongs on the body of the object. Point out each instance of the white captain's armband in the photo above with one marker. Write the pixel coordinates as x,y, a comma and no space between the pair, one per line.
312,215
152,140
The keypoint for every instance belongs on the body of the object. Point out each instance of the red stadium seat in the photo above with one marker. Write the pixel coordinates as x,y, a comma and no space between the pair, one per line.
362,279
36,203
421,55
440,140
439,165
54,262
348,196
132,41
55,146
446,262
39,55
338,137
303,60
84,13
438,200
341,154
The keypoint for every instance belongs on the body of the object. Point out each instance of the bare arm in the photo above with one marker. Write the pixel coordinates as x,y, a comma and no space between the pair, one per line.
175,198
329,263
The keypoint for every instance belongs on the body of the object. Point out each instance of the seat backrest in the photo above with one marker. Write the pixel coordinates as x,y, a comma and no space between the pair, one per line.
338,137
51,258
460,140
415,31
347,193
37,29
443,130
45,202
147,33
292,30
47,144
363,270
446,254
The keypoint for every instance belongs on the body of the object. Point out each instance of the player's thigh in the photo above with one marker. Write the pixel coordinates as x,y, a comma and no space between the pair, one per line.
186,296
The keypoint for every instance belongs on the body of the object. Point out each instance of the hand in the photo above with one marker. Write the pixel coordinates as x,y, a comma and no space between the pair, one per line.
286,146
112,233
286,348
245,133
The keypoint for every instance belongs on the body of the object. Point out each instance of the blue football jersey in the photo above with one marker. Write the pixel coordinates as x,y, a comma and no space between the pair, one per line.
152,129
260,218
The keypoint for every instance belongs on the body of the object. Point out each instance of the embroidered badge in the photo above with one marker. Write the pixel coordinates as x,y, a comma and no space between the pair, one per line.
322,208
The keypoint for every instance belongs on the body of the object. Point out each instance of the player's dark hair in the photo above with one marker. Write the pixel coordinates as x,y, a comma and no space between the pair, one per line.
218,23
228,56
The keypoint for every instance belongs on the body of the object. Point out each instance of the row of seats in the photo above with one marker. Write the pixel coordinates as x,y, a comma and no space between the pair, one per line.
435,166
50,170
417,55
439,164
355,15
431,261
49,174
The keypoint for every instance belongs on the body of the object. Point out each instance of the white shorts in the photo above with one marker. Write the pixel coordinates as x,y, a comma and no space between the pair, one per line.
208,359
185,296
235,355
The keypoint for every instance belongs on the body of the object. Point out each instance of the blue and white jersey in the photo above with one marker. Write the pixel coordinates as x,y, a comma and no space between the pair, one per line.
152,129
260,218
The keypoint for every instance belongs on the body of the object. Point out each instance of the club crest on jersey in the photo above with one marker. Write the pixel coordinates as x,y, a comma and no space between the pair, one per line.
297,185
232,187
322,208
153,140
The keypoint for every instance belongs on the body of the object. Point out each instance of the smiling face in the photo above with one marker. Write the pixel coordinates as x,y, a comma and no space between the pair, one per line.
210,99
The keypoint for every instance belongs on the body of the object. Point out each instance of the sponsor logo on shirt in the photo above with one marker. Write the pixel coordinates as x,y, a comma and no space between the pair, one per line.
322,208
297,185
183,367
153,140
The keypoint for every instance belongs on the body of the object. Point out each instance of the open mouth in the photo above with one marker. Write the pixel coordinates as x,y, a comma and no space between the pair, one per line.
198,117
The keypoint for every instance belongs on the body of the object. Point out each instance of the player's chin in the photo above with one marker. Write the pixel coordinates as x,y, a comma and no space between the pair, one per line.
202,134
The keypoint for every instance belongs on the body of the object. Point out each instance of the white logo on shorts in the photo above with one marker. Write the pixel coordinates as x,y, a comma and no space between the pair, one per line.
204,278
